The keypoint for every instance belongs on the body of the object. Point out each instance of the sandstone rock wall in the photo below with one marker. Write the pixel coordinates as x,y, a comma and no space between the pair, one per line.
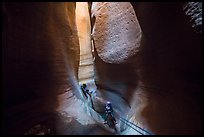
85,72
40,60
154,80
161,84
169,69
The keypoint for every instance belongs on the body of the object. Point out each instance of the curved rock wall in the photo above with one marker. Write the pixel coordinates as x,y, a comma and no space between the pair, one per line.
169,69
157,83
160,86
40,59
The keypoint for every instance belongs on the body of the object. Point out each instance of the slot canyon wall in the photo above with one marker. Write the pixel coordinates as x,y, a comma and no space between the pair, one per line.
40,61
171,63
159,79
147,62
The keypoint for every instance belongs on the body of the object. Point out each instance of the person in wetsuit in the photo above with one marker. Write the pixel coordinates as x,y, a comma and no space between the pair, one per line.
109,110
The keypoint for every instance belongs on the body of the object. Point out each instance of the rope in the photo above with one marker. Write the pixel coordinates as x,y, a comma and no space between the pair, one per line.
130,123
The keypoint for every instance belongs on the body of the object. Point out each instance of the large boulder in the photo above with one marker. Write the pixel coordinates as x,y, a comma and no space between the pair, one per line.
116,32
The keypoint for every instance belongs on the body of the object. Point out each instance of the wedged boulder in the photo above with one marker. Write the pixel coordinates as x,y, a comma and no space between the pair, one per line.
116,32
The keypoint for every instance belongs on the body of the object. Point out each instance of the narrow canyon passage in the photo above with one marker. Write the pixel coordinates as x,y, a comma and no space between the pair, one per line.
86,71
87,74
143,57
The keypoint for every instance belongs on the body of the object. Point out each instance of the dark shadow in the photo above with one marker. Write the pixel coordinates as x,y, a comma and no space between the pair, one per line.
171,62
33,70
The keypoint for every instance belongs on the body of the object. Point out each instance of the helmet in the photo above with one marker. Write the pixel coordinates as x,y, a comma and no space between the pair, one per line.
108,103
84,85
